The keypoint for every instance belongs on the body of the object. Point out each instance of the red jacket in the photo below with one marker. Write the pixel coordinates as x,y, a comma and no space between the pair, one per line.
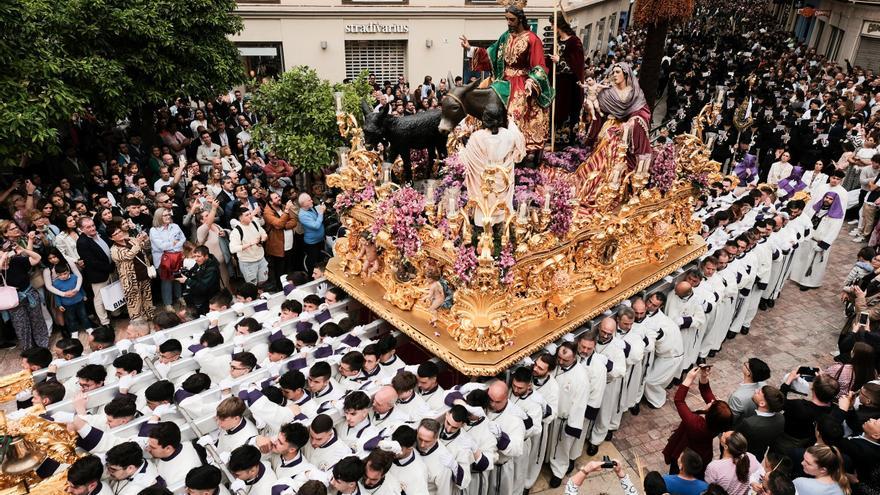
692,432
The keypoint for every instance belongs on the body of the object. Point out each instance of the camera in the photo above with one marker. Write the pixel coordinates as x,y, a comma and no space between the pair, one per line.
607,463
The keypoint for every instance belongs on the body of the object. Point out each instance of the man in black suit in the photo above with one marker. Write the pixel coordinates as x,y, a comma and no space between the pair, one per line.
95,264
223,136
864,449
762,429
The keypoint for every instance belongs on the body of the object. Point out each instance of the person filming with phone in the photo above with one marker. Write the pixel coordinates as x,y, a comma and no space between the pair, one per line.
312,219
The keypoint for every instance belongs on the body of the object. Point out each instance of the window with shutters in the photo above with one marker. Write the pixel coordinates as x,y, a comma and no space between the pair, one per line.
384,58
820,27
868,53
585,37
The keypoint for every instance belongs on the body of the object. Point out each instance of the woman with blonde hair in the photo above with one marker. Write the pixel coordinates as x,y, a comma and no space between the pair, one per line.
166,241
824,465
215,182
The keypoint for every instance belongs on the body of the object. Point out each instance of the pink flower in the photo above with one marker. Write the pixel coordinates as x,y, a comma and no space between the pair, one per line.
406,209
465,264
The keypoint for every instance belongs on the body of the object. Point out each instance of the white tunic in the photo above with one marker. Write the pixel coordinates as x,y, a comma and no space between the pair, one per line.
411,473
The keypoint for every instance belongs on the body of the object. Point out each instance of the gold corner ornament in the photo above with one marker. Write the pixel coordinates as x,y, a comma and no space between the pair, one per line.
10,385
553,280
34,439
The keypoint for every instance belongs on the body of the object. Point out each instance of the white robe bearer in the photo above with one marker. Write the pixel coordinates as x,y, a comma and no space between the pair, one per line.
633,382
462,446
441,479
512,423
597,375
615,351
763,256
534,406
811,261
411,473
709,297
691,319
549,390
570,422
668,351
745,281
482,469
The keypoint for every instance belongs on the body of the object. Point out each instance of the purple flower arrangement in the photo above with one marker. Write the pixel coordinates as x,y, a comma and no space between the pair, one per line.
662,169
465,264
561,207
568,159
528,181
452,176
505,263
346,200
405,209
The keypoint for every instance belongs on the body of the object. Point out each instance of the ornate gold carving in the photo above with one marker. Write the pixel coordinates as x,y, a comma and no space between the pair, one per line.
15,383
42,437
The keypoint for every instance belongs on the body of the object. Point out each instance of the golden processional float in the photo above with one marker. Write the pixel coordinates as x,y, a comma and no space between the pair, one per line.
548,267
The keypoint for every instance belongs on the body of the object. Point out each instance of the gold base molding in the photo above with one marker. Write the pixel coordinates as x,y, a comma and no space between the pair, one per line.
530,337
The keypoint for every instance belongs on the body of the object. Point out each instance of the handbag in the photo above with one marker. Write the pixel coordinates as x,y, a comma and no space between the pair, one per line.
170,264
113,296
8,295
151,270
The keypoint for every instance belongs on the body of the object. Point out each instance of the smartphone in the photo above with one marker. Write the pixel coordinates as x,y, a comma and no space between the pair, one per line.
705,366
863,318
807,371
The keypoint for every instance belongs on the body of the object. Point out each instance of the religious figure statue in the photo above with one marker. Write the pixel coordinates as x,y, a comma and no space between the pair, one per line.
516,61
569,63
489,158
620,97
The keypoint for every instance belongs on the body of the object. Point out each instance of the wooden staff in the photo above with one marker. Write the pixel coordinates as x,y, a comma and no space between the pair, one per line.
553,82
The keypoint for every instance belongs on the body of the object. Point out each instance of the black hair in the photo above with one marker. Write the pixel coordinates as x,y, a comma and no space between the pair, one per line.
320,369
166,433
166,319
245,358
171,345
357,401
405,436
123,406
321,424
129,362
292,380
283,346
93,372
428,369
37,356
350,469
459,413
759,370
125,454
85,470
296,434
654,484
250,323
354,360
70,346
205,477
312,299
691,463
292,305
160,391
211,338
104,335
339,293
523,374
248,291
196,383
244,458
330,329
308,337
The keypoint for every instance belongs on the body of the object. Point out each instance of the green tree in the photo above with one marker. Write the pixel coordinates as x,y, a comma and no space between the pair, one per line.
302,115
118,56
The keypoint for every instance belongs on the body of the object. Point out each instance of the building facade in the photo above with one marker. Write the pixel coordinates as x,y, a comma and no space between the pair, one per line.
414,38
842,30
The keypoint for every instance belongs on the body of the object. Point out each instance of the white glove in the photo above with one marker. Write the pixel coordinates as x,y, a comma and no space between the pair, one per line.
160,338
318,475
527,361
259,423
145,350
468,443
63,417
162,369
274,368
329,341
253,386
390,446
124,345
125,382
474,410
470,387
817,248
448,461
204,441
236,484
239,340
164,410
334,359
141,441
265,295
224,458
227,384
24,395
58,362
495,430
238,308
679,321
